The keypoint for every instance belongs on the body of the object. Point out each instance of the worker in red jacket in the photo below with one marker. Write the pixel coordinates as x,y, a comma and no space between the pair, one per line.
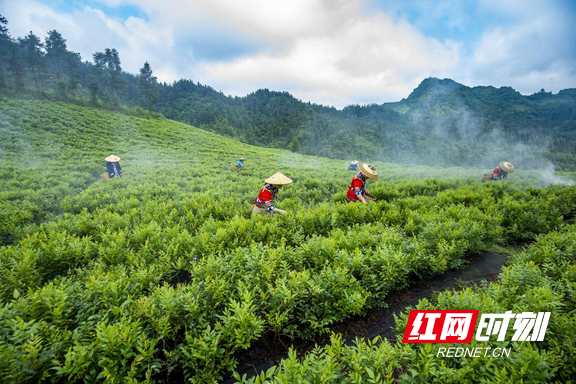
357,190
265,203
502,170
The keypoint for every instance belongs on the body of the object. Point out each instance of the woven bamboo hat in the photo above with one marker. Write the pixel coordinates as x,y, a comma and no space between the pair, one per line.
369,171
355,162
506,167
278,179
241,159
112,159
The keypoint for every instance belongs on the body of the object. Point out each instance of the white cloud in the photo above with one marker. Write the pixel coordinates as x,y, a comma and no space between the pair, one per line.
535,51
271,20
370,59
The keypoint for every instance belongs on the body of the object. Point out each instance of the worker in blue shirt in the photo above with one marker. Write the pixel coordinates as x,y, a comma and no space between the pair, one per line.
113,166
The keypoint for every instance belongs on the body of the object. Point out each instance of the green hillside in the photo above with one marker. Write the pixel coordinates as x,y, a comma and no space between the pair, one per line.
163,275
440,123
53,150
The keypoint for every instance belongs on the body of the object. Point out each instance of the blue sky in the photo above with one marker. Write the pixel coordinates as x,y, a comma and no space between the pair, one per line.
333,52
460,19
119,11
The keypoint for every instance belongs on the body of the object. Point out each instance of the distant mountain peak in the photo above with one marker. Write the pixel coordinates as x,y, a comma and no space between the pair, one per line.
433,84
436,81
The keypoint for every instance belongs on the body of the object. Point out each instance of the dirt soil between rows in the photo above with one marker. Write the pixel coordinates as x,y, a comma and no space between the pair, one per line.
269,350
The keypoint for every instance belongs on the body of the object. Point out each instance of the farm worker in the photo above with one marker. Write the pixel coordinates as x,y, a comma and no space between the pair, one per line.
113,166
240,163
357,190
502,170
353,166
266,199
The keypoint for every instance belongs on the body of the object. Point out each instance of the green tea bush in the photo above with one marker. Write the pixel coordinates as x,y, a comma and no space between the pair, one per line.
539,279
366,361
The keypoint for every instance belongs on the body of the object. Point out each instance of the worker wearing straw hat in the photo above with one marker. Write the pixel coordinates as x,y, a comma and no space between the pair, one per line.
240,163
502,170
353,166
113,166
357,190
265,202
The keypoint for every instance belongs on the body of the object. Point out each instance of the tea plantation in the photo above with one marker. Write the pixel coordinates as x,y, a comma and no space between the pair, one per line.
164,275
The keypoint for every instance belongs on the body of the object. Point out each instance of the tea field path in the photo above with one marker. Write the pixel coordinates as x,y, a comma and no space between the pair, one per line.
378,321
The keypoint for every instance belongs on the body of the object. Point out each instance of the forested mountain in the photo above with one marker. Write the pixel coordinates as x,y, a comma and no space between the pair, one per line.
440,122
520,117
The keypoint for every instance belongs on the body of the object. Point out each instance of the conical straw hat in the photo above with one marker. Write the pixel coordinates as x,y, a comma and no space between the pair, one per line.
369,171
507,167
241,159
112,159
278,179
355,162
